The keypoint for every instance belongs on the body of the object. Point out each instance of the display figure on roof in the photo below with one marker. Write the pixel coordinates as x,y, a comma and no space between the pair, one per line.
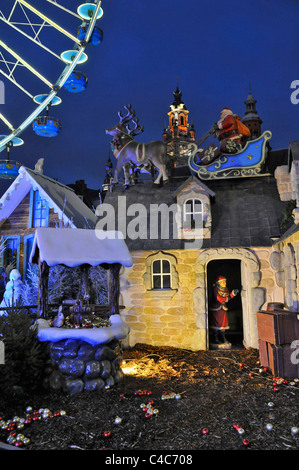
231,132
218,318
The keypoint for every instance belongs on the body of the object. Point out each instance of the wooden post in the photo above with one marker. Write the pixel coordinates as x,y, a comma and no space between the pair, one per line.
113,288
85,281
43,289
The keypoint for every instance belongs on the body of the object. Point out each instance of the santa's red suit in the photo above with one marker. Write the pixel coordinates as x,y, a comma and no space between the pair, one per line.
218,319
228,129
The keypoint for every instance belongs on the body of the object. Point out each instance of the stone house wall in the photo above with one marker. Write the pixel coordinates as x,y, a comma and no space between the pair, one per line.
178,317
286,259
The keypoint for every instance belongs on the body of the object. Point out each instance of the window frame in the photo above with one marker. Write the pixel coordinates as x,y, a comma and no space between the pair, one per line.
161,274
26,254
148,275
32,211
192,212
3,256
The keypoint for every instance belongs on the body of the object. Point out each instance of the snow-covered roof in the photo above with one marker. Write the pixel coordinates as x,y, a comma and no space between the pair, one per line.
80,246
62,199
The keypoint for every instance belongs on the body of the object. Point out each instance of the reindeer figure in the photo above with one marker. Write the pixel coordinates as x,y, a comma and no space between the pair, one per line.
130,152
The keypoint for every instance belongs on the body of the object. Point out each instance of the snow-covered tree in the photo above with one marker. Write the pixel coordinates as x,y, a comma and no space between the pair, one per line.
65,283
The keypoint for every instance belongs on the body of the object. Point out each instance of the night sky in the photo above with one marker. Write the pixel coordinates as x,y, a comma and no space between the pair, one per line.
211,49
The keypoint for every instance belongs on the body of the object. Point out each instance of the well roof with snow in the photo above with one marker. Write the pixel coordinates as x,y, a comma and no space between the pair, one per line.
75,247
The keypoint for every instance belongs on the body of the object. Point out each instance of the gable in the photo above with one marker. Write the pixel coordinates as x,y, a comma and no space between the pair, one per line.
18,219
63,200
195,185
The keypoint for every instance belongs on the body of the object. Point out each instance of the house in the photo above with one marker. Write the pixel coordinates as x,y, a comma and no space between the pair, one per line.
184,234
35,200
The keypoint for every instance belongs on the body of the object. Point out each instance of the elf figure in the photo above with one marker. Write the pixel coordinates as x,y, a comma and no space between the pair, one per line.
218,318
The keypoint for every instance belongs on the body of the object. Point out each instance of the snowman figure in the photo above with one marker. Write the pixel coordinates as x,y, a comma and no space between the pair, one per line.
13,291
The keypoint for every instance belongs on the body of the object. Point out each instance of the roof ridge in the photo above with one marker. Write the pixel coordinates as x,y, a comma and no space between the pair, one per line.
48,178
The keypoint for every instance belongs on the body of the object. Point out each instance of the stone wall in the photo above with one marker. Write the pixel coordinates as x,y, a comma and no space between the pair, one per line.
178,317
270,280
287,273
77,366
284,183
160,318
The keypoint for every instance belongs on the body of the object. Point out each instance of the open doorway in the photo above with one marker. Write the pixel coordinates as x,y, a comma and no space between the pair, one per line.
231,270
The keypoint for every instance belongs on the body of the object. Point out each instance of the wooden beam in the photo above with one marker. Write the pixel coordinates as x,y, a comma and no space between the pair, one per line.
43,289
113,288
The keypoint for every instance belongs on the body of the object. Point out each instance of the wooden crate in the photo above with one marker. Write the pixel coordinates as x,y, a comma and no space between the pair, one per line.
279,359
278,327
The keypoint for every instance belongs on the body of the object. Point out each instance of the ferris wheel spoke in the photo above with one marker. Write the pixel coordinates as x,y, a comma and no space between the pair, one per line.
14,81
54,2
36,40
26,64
28,20
6,121
88,13
49,21
43,105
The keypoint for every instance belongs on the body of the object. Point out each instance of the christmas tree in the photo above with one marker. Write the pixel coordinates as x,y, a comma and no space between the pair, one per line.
25,356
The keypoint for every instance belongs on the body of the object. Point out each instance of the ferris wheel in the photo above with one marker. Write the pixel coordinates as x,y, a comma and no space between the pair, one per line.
28,22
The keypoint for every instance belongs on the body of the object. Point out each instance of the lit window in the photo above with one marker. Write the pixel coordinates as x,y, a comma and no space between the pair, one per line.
11,252
193,213
161,274
40,211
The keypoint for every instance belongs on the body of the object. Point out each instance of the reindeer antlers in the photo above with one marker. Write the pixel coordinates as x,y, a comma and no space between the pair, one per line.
130,114
129,117
136,130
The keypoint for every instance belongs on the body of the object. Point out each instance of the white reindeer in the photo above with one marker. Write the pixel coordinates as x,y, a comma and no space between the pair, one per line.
130,152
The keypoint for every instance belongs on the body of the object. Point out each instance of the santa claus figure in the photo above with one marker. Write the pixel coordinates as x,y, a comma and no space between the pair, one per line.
231,132
218,318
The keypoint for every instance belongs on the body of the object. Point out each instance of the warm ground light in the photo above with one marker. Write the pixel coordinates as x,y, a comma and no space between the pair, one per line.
202,400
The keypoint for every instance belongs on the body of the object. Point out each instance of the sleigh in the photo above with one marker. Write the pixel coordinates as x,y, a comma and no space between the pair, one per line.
247,162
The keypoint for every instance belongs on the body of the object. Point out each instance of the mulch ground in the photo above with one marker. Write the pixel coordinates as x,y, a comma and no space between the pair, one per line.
212,392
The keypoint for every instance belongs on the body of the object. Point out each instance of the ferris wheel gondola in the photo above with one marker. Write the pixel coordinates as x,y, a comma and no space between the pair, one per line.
69,79
9,169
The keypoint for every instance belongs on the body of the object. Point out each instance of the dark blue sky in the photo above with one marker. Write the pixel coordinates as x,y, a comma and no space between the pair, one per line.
211,48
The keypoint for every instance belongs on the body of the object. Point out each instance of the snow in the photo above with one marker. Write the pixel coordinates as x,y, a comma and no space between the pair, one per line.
74,247
118,330
13,291
62,199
